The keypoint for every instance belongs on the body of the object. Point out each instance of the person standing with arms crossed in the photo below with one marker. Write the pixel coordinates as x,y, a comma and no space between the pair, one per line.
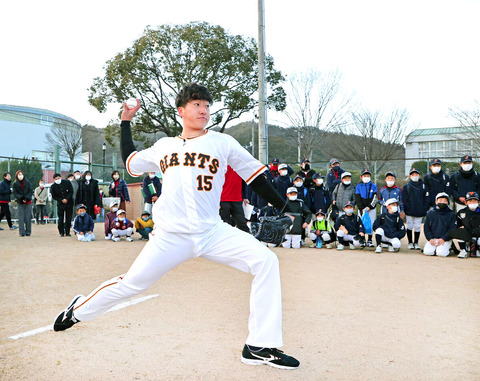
189,225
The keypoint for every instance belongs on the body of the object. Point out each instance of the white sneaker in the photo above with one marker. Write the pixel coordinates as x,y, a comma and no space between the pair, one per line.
391,249
129,239
378,250
352,246
385,245
411,246
340,246
462,254
328,246
116,239
416,246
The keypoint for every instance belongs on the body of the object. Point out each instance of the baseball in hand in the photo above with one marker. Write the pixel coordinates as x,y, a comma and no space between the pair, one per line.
131,103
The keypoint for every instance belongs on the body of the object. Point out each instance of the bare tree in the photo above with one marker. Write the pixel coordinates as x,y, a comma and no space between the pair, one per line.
469,121
68,138
315,105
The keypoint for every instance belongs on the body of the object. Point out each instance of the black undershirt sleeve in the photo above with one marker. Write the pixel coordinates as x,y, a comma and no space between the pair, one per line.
264,188
126,141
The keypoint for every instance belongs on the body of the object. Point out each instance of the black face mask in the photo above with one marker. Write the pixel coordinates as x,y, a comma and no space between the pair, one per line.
306,167
442,205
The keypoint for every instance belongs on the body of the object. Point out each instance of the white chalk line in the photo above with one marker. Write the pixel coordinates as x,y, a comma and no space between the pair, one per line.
115,308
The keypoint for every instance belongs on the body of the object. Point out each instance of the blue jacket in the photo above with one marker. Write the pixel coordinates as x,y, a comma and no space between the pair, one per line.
392,225
282,183
415,199
5,191
366,195
393,192
352,223
435,184
463,182
83,224
438,223
319,198
120,189
303,195
334,177
156,183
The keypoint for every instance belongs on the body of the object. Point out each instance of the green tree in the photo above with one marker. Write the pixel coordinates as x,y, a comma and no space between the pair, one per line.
162,60
31,169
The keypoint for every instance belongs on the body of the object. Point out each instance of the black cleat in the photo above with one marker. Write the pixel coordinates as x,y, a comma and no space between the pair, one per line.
268,356
66,319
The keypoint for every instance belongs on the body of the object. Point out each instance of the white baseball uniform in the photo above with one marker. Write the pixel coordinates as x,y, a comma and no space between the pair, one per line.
188,225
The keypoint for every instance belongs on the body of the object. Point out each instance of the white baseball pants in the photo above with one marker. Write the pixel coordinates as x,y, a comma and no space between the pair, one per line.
292,241
86,237
222,244
122,233
348,238
414,223
395,242
441,250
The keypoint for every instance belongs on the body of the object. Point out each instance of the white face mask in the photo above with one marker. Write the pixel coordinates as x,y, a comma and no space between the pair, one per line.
467,167
77,177
319,181
349,211
436,169
121,218
151,175
42,185
88,177
58,181
116,177
366,179
298,184
473,207
347,182
390,183
394,209
114,209
320,219
283,172
20,177
415,178
292,198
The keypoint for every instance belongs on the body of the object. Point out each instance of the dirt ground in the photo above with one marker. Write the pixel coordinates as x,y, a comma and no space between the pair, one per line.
351,315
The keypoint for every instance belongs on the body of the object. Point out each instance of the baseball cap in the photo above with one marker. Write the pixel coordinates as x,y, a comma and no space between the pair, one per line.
391,201
466,158
471,196
333,161
292,190
414,170
113,203
317,176
435,161
146,212
442,194
391,173
305,160
344,174
275,161
349,203
299,176
120,211
81,206
320,211
365,171
283,166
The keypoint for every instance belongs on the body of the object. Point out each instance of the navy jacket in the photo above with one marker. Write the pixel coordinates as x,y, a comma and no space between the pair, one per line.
319,198
463,182
282,183
156,183
61,191
470,220
438,223
307,177
415,199
5,191
392,225
334,177
83,224
352,223
119,188
435,184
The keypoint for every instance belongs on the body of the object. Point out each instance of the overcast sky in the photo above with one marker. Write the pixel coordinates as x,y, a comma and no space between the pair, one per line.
420,55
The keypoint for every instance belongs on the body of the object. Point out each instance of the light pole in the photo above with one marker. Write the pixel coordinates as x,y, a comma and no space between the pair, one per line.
104,148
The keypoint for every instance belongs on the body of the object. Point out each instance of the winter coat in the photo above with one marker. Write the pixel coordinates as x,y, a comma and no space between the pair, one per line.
40,194
390,192
22,190
157,185
83,224
342,194
303,195
435,184
323,226
140,224
366,195
299,210
88,194
334,177
307,177
352,223
125,224
463,182
62,191
392,225
438,223
119,188
109,217
319,198
470,220
415,199
5,191
282,183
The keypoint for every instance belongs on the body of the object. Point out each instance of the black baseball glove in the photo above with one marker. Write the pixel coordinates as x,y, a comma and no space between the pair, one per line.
272,229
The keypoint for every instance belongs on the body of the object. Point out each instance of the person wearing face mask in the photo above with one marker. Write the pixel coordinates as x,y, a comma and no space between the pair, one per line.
118,188
334,175
321,232
416,204
390,190
366,199
74,179
302,217
109,217
40,195
283,181
151,189
121,227
89,194
274,167
144,225
83,225
468,227
306,172
440,221
465,180
343,192
62,193
349,228
436,181
23,193
389,227
5,192
318,194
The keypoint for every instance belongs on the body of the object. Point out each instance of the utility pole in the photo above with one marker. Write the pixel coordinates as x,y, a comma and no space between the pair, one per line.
262,89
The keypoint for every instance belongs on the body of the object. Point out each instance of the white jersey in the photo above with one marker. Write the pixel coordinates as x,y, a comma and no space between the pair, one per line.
193,173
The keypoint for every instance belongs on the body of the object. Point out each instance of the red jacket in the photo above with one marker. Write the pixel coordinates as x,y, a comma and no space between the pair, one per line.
125,224
232,189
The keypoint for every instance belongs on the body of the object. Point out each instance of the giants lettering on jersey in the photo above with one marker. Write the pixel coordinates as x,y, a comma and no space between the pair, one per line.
190,160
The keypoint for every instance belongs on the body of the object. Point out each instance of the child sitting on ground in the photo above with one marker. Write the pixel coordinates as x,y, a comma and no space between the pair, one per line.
144,225
121,227
83,225
389,227
349,228
321,231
